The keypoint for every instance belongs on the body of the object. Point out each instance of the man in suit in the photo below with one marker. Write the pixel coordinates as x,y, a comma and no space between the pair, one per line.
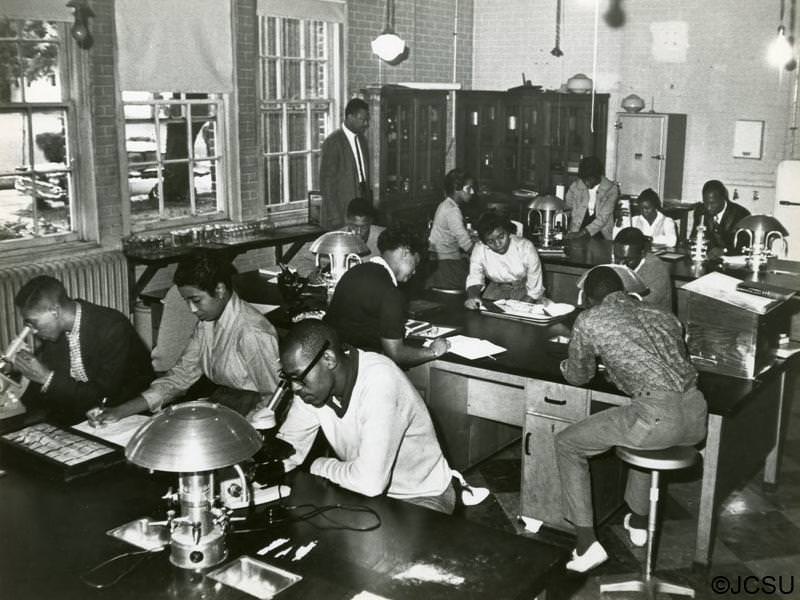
592,199
88,353
344,167
720,217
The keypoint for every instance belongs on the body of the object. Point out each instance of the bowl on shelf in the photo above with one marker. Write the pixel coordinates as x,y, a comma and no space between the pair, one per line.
632,103
579,84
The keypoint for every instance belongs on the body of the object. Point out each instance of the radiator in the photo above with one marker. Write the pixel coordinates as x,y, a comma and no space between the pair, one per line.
100,278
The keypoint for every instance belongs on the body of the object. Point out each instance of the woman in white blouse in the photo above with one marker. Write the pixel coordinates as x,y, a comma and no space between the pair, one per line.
506,264
652,222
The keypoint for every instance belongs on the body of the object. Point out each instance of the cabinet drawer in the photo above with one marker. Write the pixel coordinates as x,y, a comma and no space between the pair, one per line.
557,400
496,401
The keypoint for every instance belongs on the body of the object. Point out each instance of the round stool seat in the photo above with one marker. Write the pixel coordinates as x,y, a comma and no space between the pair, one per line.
668,459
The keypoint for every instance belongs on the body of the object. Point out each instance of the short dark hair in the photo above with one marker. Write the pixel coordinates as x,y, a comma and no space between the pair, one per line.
39,290
715,185
360,207
491,220
310,335
590,166
400,236
204,271
355,105
650,195
631,236
455,180
600,282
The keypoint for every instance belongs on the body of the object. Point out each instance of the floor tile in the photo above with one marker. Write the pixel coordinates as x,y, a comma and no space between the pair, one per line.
753,536
502,475
786,566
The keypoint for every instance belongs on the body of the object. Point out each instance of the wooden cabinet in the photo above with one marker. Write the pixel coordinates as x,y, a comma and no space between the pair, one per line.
551,408
523,138
407,136
650,153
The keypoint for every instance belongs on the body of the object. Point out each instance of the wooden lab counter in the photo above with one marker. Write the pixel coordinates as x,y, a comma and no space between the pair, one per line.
479,406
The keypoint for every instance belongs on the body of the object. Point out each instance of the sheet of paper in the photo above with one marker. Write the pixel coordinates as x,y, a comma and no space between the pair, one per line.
723,288
435,331
264,308
473,348
118,433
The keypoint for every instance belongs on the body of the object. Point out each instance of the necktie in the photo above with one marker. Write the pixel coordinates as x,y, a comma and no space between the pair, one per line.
361,177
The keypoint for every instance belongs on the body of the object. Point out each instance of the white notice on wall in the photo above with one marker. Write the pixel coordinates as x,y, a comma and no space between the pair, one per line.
670,41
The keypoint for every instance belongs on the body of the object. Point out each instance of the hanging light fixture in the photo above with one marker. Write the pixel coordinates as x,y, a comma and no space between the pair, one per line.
80,28
388,46
780,50
556,51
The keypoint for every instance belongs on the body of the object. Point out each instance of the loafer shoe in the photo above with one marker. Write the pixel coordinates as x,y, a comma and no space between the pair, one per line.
637,536
595,555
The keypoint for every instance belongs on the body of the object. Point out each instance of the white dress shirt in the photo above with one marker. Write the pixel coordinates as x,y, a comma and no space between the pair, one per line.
353,139
520,262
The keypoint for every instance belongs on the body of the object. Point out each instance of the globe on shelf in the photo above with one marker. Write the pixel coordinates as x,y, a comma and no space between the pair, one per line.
632,103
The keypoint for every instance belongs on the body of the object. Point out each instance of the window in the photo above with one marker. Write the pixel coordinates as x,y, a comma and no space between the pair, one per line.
37,189
175,156
299,68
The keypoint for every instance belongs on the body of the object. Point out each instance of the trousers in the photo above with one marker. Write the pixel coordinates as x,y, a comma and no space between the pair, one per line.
652,421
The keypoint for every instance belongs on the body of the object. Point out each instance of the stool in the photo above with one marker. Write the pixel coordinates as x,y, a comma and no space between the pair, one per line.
669,459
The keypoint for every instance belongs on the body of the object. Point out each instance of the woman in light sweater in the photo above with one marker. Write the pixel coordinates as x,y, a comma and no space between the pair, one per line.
449,241
652,222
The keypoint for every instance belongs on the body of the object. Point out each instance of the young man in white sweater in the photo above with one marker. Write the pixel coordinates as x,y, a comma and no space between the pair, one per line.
372,416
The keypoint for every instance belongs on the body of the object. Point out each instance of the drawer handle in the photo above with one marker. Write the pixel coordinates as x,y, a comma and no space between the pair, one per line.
527,444
554,401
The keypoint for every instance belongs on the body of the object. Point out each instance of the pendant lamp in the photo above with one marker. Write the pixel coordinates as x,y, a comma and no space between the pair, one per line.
388,46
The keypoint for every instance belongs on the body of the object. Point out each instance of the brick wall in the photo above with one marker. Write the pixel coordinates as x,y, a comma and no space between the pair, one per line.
104,116
724,76
246,28
427,28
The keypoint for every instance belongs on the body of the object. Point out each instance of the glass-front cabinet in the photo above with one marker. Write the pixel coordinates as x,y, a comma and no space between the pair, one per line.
528,139
407,136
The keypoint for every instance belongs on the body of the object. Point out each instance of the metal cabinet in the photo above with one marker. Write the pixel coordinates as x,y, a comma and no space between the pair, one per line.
650,153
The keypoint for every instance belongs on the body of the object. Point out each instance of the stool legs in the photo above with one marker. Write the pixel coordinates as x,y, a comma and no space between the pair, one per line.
649,585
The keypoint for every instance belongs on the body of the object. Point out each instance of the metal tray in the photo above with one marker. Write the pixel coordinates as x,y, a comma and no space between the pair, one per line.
254,577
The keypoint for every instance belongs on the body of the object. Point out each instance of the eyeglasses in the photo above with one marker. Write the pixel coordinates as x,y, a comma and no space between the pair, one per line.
301,378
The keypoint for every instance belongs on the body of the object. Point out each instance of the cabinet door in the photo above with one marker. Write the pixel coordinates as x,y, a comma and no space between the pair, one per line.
641,153
541,487
429,151
532,163
397,129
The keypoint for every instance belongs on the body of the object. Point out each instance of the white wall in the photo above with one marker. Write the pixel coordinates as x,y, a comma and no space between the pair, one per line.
722,75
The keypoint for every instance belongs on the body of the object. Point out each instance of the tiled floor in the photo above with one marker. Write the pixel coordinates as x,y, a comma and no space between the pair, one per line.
758,533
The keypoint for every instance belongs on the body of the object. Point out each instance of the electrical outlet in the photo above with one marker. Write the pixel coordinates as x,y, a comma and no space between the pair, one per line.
755,195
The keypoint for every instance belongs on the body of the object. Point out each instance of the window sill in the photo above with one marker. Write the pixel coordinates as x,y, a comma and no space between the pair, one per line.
48,252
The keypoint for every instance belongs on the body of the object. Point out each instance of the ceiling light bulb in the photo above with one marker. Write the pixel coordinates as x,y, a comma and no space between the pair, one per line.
780,50
388,45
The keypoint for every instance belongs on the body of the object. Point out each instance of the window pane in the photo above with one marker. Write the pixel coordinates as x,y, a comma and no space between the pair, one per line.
316,81
10,81
270,75
291,38
319,127
270,39
14,146
205,144
39,30
291,80
205,187
16,202
297,127
143,187
140,142
273,131
298,190
316,41
50,151
273,180
41,72
315,161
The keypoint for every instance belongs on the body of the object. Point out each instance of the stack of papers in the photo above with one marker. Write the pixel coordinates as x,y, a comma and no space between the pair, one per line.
723,288
473,348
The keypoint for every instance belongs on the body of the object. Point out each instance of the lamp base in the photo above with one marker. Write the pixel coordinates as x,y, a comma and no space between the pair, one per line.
210,551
